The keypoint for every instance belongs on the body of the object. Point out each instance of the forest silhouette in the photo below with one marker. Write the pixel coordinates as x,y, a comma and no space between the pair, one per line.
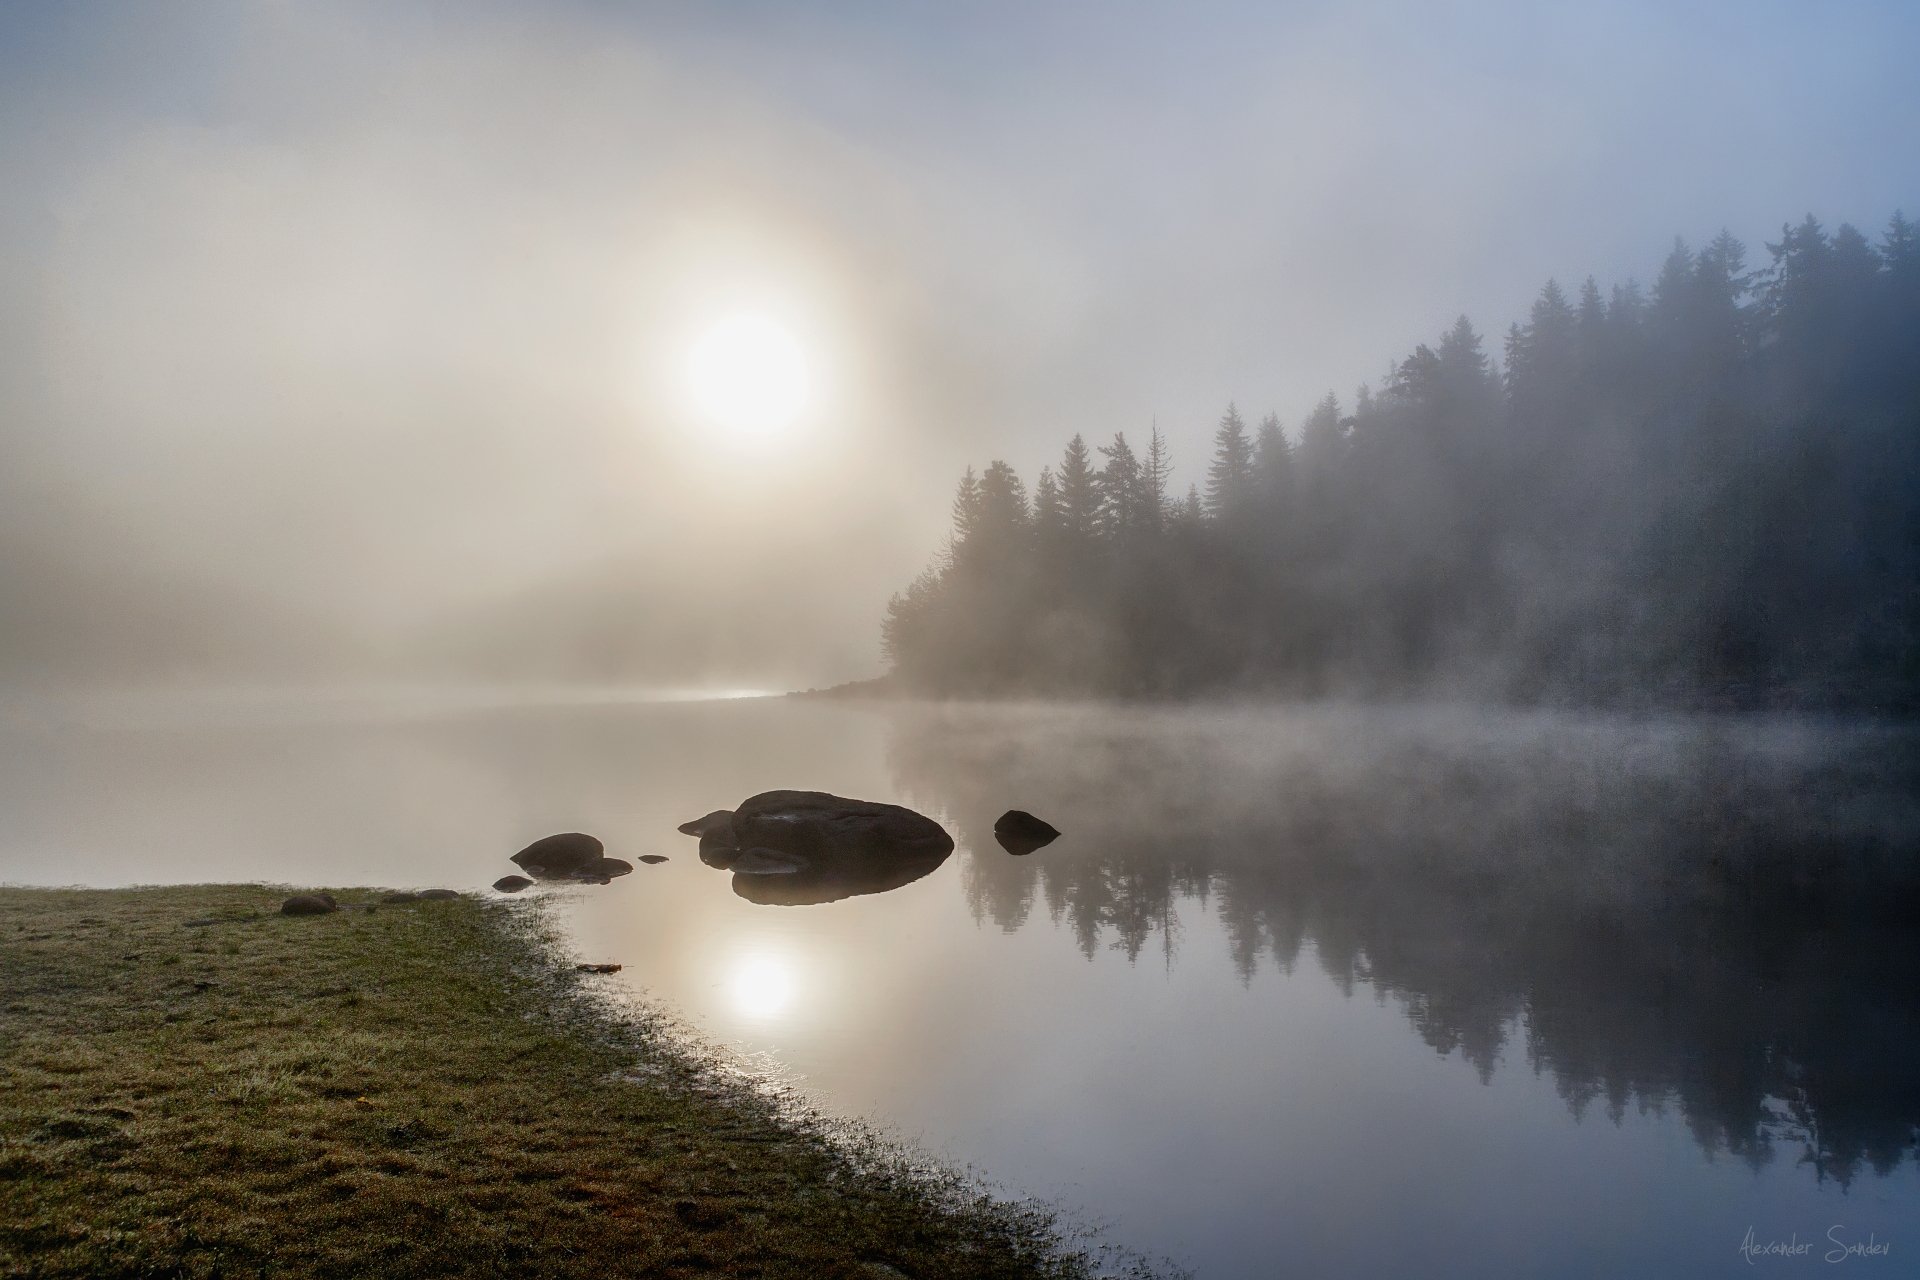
1704,494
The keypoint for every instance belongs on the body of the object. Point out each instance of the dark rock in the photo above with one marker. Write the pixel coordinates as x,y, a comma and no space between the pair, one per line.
607,868
794,847
814,826
309,904
597,968
1019,832
719,821
557,857
766,862
437,895
512,884
401,896
653,859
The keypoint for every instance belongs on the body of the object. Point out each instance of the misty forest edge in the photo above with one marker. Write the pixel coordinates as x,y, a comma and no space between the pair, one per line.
1706,495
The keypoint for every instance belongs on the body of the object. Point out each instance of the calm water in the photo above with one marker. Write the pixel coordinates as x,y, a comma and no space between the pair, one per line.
1313,992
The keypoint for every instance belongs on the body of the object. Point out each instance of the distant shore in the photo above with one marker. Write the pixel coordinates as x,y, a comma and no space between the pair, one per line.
193,1083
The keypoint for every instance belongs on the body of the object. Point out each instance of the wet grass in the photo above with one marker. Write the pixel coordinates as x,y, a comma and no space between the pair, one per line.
418,1090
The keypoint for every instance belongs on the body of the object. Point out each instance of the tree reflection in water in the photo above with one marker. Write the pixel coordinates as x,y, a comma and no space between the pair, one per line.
1718,915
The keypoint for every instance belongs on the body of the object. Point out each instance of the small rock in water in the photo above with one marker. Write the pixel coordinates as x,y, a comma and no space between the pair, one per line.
1019,832
512,884
653,859
437,895
597,968
719,822
557,857
309,904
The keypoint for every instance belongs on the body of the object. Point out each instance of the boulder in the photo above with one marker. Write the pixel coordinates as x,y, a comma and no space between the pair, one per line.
794,847
815,826
557,857
607,868
512,884
1019,832
653,859
309,904
402,895
766,862
719,821
437,895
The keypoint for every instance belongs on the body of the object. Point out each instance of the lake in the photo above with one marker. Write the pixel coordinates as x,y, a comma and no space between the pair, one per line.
1317,991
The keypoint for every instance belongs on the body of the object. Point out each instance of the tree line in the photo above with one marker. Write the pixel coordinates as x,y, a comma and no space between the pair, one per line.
1705,492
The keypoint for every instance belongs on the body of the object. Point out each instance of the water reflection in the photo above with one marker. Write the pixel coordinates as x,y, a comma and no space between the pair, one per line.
1662,915
762,986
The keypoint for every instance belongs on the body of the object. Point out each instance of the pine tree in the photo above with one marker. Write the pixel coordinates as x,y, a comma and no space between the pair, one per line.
1080,497
1049,513
966,508
1154,474
1230,476
1121,512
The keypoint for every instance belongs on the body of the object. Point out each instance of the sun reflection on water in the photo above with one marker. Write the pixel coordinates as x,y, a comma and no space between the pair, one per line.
762,985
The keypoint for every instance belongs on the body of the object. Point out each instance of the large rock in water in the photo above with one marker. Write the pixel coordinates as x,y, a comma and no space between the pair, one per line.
816,826
793,847
557,857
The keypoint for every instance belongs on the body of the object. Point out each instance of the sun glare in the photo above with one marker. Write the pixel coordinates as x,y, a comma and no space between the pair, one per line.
749,376
762,986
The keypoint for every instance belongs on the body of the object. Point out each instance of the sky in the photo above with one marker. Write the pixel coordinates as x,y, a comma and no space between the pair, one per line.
336,331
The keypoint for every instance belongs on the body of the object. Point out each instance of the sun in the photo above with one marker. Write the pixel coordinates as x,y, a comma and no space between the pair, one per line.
749,376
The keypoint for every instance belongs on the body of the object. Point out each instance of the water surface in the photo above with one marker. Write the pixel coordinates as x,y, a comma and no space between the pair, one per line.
1315,991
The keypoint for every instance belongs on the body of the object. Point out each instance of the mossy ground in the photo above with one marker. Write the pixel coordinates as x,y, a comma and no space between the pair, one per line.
419,1090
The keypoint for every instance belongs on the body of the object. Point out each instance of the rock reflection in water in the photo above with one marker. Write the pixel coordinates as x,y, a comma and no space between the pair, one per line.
1720,917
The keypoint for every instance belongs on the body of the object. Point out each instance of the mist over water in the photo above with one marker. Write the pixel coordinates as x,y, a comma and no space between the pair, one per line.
425,429
1359,989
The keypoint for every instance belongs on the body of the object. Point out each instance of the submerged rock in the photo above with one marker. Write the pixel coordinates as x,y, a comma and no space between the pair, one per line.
512,884
1019,832
559,856
437,895
402,895
597,968
309,904
653,859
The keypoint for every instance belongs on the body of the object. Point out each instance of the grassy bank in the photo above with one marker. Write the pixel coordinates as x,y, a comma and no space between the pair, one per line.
416,1090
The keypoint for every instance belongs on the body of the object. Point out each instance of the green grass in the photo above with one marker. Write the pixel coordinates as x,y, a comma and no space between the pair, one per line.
420,1090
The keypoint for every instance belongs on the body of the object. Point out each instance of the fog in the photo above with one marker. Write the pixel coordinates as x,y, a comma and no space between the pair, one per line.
346,340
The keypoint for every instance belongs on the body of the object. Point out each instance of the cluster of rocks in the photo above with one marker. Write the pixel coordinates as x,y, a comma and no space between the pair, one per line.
795,847
784,847
571,857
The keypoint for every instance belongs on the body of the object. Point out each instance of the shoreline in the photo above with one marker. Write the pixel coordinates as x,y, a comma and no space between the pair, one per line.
193,1083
